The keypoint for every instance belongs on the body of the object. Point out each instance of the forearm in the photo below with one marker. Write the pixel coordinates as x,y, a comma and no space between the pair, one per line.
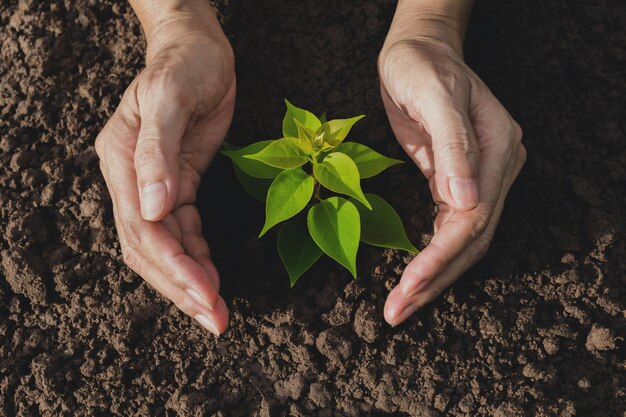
438,20
167,21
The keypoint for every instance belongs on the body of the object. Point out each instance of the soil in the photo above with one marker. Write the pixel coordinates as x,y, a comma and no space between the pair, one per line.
537,328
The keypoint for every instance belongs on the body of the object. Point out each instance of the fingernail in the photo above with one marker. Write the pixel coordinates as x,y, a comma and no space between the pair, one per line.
464,191
198,298
418,288
207,324
404,314
153,198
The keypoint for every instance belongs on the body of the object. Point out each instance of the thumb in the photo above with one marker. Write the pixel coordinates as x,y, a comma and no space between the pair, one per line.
455,149
156,157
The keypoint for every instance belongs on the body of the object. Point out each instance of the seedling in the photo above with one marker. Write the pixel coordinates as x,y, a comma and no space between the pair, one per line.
301,171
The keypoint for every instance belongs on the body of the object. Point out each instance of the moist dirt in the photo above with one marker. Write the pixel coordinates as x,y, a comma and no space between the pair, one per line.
536,328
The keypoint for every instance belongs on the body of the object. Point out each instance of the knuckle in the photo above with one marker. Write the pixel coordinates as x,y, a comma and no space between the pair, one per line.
149,150
178,279
459,149
516,155
478,88
518,161
514,134
461,145
522,154
184,303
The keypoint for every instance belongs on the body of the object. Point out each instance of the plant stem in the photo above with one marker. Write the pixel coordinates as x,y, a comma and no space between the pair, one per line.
316,191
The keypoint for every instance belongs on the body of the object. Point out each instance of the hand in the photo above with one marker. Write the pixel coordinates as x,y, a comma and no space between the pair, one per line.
170,123
466,144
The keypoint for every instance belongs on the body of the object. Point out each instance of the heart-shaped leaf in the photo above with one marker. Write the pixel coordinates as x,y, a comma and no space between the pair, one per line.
289,193
305,117
381,226
368,161
336,130
335,227
296,248
256,187
339,173
281,153
252,167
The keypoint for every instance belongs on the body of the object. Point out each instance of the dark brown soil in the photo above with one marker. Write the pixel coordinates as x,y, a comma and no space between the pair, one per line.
537,328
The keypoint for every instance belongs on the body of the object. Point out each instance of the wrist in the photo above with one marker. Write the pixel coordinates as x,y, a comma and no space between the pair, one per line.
168,23
180,32
439,24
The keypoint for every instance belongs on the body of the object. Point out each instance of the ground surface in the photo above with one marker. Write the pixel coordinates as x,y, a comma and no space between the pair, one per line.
537,328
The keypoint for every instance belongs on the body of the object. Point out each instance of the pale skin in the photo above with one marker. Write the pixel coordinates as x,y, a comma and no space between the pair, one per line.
174,115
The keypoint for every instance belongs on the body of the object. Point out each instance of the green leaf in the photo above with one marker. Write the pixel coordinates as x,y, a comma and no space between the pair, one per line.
305,117
381,226
336,130
297,249
251,167
335,227
304,132
281,153
306,136
289,193
310,141
339,173
323,118
368,161
256,187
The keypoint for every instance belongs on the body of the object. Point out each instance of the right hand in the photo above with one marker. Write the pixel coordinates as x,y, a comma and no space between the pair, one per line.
153,151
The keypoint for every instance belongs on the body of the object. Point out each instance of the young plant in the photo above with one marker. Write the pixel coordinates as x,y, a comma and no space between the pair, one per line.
297,172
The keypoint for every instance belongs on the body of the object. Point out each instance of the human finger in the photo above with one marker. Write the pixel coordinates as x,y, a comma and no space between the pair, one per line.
401,305
193,241
458,230
455,149
213,319
164,114
152,239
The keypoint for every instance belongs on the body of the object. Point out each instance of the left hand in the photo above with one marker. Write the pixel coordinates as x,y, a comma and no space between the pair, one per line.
467,145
